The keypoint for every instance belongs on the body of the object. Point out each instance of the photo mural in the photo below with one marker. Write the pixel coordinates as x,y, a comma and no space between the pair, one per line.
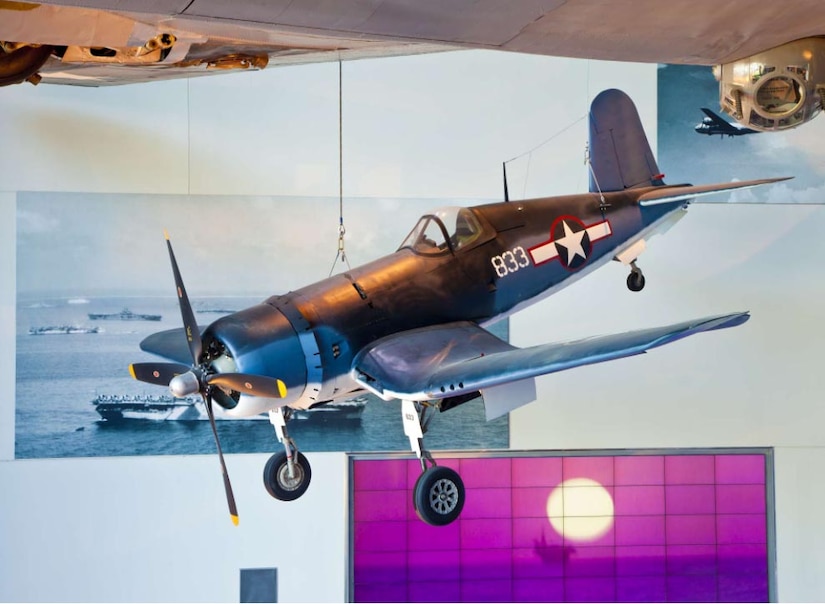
689,526
93,280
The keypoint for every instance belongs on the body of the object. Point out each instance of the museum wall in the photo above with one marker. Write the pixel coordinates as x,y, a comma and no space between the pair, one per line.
439,126
156,529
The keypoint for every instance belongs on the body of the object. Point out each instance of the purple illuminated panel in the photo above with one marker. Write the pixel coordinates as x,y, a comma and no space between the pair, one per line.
636,528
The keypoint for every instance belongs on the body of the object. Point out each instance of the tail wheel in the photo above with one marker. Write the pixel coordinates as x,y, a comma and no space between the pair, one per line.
635,282
439,495
279,483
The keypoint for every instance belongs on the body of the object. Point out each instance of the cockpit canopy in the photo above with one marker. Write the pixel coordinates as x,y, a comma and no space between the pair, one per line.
451,228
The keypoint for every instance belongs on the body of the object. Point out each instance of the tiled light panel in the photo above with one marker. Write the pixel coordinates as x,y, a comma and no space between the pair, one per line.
676,528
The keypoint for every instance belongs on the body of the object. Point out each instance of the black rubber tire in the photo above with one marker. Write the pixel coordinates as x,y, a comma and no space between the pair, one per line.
23,63
635,282
276,477
438,496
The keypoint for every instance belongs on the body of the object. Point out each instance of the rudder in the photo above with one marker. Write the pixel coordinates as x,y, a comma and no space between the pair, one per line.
620,154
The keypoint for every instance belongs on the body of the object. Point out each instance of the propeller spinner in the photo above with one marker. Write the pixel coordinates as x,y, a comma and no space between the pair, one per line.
201,378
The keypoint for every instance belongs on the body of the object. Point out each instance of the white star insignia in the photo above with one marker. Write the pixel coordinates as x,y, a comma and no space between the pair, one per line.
572,242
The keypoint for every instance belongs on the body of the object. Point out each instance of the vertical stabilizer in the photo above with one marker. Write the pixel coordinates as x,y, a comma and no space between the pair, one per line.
619,152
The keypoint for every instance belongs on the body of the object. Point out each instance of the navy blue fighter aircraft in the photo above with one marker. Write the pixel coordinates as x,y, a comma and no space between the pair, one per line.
410,325
714,124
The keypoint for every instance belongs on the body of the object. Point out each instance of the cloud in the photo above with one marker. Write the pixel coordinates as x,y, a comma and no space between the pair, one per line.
781,193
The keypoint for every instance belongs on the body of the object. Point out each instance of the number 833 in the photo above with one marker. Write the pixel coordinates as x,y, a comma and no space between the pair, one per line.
510,261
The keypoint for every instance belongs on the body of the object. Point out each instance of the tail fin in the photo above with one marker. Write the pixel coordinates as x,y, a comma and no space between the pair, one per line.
620,155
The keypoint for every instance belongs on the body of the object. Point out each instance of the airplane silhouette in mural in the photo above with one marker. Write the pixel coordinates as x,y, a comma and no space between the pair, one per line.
411,325
713,124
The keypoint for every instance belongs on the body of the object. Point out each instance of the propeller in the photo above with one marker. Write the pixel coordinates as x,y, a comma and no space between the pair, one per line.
184,380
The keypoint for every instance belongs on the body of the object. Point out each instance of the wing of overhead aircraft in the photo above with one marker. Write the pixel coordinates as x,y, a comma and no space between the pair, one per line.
108,42
459,359
722,126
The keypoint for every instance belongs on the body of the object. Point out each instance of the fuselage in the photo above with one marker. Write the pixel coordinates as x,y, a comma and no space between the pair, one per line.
518,253
709,127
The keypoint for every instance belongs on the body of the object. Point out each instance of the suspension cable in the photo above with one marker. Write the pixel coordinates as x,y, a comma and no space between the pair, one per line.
341,252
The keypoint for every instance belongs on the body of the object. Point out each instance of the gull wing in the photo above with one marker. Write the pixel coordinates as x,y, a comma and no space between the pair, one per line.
170,344
459,359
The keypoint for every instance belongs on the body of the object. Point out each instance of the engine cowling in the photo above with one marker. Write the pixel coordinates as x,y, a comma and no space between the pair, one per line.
260,341
777,89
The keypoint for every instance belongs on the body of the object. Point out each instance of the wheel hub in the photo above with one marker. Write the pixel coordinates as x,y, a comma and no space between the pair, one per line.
288,482
443,496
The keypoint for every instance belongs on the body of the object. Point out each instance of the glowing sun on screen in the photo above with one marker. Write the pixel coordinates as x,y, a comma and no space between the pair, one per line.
580,509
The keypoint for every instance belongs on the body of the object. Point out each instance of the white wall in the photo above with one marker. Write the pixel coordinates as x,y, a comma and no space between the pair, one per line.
434,126
156,529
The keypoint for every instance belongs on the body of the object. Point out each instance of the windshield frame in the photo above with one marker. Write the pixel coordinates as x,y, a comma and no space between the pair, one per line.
419,241
431,237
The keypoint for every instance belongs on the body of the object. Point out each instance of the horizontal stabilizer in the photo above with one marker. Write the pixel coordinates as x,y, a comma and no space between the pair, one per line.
170,344
688,192
460,358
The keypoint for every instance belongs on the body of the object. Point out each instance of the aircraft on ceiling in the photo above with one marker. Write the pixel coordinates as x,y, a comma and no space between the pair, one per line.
410,325
768,56
713,124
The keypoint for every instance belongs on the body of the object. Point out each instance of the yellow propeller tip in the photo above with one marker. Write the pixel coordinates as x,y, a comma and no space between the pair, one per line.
166,234
281,389
234,519
132,371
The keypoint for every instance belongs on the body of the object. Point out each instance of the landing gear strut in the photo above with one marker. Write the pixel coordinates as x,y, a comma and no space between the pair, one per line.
635,280
438,495
287,474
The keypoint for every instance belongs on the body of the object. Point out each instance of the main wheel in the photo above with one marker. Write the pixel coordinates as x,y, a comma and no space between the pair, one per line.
635,282
439,495
277,480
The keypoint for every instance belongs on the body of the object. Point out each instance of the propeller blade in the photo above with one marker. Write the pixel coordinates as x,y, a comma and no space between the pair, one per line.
159,374
193,334
256,385
230,497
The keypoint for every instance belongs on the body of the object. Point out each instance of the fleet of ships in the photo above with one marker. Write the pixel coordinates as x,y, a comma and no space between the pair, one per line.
115,408
123,315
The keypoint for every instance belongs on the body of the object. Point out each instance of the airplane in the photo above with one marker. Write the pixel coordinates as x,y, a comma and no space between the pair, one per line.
714,124
411,325
768,56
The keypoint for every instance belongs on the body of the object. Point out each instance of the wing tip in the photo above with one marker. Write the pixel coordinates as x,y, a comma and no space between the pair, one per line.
737,318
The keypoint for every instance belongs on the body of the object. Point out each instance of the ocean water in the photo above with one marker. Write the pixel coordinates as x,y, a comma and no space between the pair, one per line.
58,376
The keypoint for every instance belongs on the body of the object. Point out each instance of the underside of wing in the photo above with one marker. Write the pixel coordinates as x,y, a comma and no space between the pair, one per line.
403,365
459,359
